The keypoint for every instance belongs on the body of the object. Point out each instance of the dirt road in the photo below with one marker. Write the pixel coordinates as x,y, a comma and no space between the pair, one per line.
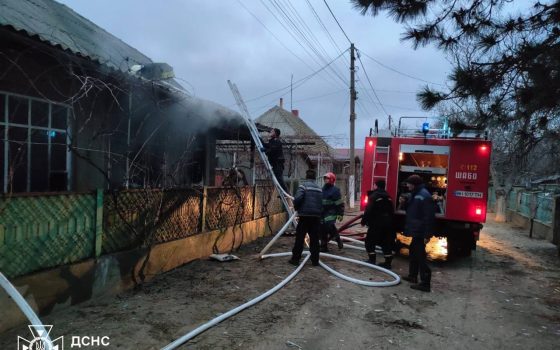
506,296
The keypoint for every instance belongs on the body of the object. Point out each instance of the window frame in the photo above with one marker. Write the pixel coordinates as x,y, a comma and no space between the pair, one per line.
5,122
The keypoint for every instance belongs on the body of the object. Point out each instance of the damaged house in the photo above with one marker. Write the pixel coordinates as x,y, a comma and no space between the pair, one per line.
107,165
82,110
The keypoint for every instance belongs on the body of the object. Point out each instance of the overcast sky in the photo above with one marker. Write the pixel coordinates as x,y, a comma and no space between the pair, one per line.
209,42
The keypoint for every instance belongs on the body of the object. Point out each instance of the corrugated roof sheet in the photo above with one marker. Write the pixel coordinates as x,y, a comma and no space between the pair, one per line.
58,25
294,129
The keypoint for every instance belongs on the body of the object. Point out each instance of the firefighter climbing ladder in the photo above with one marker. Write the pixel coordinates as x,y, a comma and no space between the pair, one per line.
259,146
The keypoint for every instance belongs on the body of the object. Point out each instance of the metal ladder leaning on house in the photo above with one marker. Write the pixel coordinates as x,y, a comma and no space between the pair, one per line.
284,196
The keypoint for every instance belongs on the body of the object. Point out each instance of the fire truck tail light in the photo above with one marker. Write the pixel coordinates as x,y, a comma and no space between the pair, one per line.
370,143
365,200
400,156
483,149
478,211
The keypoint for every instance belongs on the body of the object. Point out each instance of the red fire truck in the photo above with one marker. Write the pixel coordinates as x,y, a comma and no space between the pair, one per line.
455,170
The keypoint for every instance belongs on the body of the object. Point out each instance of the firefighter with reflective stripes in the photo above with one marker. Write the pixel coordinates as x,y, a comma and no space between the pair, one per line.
378,216
333,210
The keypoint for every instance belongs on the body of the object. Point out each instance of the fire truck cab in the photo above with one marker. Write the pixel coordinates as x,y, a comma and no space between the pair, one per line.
455,170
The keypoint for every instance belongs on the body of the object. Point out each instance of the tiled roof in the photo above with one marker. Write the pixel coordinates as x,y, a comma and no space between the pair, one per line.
294,129
344,153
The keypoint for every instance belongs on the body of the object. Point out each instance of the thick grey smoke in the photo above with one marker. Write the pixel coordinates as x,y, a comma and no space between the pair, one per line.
174,136
201,115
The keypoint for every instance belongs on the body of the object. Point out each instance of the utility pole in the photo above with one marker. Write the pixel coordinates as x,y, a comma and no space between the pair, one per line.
291,93
352,170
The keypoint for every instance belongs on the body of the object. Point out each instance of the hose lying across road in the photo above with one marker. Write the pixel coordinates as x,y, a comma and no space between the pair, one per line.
307,255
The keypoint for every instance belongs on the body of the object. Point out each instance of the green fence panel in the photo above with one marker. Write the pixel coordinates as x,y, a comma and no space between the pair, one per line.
48,230
525,203
491,198
42,231
544,208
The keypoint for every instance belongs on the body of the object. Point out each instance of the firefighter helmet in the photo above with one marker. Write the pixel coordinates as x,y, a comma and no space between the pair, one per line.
330,178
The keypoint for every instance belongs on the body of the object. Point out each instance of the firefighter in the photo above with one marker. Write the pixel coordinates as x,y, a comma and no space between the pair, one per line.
273,150
420,217
308,203
333,210
378,216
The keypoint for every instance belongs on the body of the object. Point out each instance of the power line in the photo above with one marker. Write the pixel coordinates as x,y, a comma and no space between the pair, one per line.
395,91
343,32
324,27
399,72
280,41
300,81
371,85
365,113
367,92
311,34
323,95
275,37
401,107
290,22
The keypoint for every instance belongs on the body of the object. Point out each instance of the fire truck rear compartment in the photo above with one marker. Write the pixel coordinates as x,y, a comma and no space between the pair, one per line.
433,170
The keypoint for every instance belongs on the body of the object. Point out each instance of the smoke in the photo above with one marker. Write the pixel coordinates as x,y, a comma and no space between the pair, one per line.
172,132
199,115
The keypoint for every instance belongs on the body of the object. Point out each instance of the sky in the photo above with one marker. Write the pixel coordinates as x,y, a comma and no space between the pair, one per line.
260,44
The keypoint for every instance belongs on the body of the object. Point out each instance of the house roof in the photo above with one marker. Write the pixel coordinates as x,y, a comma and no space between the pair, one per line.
548,179
344,154
294,129
58,25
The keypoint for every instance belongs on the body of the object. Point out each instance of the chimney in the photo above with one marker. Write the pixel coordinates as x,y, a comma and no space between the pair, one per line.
281,102
295,112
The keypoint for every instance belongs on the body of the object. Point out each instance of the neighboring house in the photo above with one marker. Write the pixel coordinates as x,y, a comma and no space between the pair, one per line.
551,182
303,148
80,109
341,158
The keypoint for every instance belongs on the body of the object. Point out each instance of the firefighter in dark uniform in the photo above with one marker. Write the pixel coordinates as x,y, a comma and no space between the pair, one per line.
420,218
333,210
273,150
308,203
378,216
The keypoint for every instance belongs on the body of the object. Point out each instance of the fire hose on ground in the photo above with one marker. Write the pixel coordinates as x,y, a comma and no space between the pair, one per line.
34,320
26,309
307,255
